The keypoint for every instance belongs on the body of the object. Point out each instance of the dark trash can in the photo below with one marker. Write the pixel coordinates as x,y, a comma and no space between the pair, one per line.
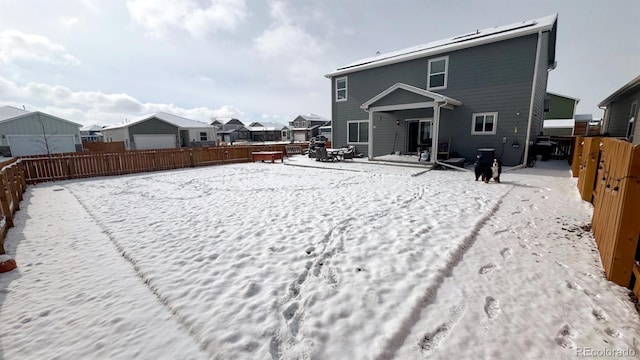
485,156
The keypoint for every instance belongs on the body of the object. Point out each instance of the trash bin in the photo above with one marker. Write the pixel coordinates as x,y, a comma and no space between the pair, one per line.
485,156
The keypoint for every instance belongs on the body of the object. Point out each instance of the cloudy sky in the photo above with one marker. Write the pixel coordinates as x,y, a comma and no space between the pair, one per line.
103,61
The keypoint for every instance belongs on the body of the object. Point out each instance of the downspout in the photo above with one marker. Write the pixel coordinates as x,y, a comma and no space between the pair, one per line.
533,93
605,119
434,142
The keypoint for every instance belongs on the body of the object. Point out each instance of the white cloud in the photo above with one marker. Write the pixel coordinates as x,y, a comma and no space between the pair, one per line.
69,21
15,46
197,17
97,108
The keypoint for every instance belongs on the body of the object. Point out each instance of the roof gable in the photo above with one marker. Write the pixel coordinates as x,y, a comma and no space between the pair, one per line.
627,88
172,119
478,37
425,94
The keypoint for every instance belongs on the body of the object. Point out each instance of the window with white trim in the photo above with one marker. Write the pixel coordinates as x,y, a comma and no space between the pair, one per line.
484,123
358,132
632,119
341,89
437,74
203,136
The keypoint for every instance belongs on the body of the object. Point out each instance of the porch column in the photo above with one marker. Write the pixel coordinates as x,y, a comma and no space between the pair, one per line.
436,133
370,146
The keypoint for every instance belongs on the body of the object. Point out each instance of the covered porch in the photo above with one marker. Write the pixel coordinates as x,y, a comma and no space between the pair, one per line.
405,119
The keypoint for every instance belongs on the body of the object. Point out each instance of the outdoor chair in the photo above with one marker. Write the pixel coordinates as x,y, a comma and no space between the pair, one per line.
349,153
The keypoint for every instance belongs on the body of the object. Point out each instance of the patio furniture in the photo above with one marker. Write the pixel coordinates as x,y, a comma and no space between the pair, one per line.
267,155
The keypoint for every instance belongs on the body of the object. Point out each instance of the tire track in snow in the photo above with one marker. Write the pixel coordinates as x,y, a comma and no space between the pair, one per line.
397,340
182,320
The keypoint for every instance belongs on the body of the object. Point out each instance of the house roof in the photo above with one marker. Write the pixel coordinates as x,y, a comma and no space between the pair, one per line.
559,123
627,88
10,113
564,96
176,120
313,117
475,38
266,126
429,94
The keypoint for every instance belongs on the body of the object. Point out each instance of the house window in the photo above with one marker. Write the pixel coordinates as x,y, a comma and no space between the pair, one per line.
438,73
632,119
484,123
358,132
203,136
341,89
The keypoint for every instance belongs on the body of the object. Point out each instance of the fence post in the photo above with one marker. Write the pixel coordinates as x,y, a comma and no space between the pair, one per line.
4,200
11,187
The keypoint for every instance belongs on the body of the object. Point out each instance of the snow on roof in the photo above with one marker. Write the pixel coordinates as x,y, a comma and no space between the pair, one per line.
564,96
313,117
559,123
477,37
266,126
176,120
9,112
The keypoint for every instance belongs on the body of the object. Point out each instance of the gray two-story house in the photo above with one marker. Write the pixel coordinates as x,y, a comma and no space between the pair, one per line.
621,112
484,89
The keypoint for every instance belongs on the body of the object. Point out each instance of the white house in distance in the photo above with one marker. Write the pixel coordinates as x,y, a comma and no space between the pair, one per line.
24,133
161,131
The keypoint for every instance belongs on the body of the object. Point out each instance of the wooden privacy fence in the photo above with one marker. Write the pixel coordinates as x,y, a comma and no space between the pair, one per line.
12,185
609,177
82,165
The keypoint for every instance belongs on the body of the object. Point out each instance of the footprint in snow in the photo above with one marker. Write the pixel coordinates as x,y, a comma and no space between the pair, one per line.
487,268
573,286
506,253
565,335
491,307
598,314
431,340
612,332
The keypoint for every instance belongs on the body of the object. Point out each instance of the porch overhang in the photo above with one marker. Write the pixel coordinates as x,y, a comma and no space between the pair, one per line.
410,98
431,100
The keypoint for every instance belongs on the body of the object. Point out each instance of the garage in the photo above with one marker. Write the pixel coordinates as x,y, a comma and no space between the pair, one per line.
155,141
23,145
300,136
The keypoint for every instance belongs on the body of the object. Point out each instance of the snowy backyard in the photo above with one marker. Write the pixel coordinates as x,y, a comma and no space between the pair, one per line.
308,260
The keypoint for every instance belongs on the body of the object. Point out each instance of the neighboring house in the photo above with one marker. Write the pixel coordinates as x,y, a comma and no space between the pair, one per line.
91,133
484,89
25,133
560,106
621,112
585,124
304,127
161,131
231,131
559,115
266,131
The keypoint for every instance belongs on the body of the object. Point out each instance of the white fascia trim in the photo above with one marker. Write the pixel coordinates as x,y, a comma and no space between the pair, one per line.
420,105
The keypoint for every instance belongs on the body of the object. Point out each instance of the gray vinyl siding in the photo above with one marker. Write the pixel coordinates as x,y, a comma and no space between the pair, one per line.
618,115
495,77
152,126
32,125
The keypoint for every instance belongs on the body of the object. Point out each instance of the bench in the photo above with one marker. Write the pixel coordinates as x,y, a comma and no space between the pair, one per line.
293,150
267,155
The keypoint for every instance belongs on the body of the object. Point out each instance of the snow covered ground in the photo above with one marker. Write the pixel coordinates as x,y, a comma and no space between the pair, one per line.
348,260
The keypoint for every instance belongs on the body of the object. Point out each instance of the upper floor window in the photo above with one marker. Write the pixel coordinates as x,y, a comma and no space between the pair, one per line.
341,89
438,73
358,131
203,136
484,123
